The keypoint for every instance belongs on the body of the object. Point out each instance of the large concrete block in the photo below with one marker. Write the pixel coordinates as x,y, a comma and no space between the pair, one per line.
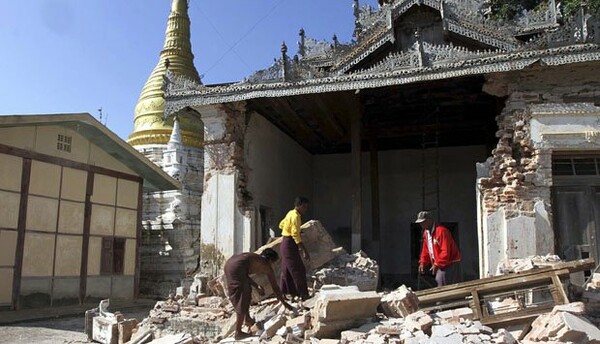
577,330
346,306
105,330
335,312
400,302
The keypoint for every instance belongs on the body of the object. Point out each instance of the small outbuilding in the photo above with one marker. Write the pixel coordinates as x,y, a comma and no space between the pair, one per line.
70,210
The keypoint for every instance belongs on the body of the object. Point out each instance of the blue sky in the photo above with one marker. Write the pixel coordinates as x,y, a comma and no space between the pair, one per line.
62,56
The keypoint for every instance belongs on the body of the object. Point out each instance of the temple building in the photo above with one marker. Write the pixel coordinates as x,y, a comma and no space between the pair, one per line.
493,125
171,221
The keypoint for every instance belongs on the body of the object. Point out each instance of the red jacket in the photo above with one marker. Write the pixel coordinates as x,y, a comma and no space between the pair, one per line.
445,251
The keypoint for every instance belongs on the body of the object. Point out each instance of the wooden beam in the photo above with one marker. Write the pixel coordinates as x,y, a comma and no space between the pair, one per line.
85,246
355,134
375,216
138,242
327,116
21,224
490,285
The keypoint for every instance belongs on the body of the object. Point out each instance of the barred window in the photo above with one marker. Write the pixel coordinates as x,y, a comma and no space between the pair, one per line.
64,143
576,166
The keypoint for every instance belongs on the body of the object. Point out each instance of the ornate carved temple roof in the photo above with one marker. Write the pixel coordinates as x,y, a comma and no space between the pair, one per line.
177,58
447,39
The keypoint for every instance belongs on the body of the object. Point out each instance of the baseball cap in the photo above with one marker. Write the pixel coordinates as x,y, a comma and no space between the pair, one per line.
423,215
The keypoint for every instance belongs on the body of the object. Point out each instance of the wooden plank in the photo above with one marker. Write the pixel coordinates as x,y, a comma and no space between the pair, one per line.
490,286
138,242
356,167
561,298
375,223
87,220
573,266
21,223
476,305
515,317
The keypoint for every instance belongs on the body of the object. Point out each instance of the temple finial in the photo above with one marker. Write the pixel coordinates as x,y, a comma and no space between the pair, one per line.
176,57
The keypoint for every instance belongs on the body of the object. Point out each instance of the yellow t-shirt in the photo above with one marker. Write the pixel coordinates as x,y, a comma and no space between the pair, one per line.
290,225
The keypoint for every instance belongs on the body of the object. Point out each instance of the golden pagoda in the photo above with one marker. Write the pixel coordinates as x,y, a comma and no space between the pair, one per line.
149,126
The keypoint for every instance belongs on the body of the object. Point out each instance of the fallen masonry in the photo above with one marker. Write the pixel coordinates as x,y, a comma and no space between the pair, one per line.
503,309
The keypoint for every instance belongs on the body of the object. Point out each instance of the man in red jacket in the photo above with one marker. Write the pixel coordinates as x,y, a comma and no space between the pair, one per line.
439,250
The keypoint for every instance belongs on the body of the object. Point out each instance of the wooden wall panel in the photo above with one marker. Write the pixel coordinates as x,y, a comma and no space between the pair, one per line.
105,189
73,184
10,172
8,248
45,179
71,216
68,255
42,214
9,209
21,137
38,255
126,223
6,284
127,194
94,253
103,220
130,259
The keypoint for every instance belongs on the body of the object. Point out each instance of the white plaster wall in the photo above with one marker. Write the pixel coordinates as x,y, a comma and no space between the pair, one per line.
279,169
400,199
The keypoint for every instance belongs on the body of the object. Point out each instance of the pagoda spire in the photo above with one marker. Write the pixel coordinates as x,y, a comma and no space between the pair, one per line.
177,57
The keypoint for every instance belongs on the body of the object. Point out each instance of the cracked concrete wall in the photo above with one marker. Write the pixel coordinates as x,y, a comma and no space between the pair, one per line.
279,170
228,224
545,112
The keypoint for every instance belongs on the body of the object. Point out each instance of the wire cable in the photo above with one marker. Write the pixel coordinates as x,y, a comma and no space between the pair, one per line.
232,47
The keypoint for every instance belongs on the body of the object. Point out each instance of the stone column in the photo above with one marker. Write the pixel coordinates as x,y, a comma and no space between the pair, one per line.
227,217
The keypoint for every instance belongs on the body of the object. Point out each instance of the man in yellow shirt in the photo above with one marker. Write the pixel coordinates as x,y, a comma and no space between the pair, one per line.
293,272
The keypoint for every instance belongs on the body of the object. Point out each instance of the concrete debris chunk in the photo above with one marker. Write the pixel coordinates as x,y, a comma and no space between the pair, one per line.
442,330
577,308
349,269
181,338
562,326
337,311
514,265
400,302
274,324
418,321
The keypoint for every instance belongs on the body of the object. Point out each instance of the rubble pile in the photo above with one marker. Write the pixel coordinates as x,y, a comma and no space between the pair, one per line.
349,269
594,283
565,324
205,316
345,308
515,265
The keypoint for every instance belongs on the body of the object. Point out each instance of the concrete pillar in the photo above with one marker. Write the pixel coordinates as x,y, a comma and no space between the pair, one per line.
227,217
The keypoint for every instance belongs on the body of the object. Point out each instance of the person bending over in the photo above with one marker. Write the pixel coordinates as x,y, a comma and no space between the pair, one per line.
237,270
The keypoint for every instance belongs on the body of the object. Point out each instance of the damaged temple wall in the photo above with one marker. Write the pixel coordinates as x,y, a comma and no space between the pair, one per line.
279,170
548,110
400,181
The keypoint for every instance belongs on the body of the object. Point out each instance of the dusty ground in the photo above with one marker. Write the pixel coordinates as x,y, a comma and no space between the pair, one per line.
54,331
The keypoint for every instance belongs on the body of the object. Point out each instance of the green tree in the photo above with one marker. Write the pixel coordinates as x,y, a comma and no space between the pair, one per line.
508,9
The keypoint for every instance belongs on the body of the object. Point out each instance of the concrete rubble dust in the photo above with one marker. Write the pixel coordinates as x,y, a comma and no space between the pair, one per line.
345,308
